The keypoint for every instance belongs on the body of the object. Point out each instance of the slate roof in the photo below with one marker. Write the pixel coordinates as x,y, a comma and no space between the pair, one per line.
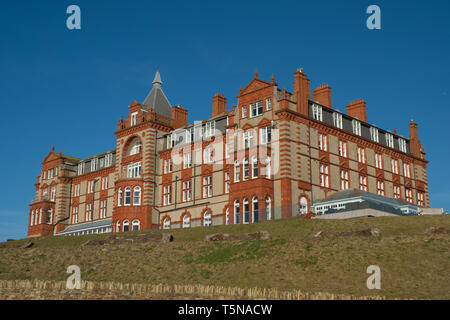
157,99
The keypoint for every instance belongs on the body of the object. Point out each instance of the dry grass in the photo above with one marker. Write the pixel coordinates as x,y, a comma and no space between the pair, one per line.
413,264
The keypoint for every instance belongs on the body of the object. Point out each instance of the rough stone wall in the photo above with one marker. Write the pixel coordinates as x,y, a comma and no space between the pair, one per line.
56,290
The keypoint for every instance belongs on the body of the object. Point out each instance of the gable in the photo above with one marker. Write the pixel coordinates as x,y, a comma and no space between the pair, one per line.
254,85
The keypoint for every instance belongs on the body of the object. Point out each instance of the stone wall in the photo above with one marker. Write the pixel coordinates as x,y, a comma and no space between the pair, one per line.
56,290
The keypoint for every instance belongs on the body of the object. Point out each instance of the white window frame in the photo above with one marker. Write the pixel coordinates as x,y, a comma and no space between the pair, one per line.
53,194
134,118
186,221
343,148
361,155
268,104
324,175
207,219
119,197
237,171
356,126
137,196
255,172
337,120
323,142
389,140
256,109
402,145
374,134
265,135
246,169
317,112
127,196
248,139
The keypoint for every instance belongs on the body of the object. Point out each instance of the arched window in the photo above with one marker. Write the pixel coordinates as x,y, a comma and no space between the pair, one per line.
32,218
236,212
207,219
127,201
246,206
135,225
268,208
227,216
186,221
254,167
40,216
237,171
134,146
48,218
303,206
255,211
268,168
137,196
118,226
246,169
119,197
126,226
167,223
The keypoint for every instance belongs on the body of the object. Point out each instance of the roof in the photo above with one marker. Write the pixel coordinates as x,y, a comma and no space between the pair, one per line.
364,195
157,100
88,225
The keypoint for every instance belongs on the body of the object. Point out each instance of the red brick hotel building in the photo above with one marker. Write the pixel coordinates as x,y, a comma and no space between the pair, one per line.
270,157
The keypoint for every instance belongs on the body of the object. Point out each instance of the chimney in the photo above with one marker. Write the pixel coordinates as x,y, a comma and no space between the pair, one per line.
414,143
322,95
301,91
357,109
179,117
219,104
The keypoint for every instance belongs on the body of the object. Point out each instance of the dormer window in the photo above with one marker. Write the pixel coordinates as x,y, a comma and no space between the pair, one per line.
356,127
209,129
94,164
81,168
108,159
317,112
402,144
374,134
134,118
389,140
337,120
170,141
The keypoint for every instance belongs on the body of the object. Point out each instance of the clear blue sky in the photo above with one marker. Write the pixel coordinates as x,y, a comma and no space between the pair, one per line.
69,88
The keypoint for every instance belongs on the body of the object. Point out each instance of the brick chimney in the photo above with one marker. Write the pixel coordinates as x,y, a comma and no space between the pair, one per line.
179,116
357,109
301,91
414,143
322,95
219,104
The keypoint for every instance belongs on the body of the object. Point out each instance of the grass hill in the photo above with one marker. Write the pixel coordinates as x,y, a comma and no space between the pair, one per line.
414,264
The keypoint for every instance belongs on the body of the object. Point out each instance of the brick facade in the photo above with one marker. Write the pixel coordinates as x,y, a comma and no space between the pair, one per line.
166,173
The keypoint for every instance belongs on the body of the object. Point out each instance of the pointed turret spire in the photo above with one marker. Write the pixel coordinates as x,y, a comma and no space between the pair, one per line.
157,80
157,100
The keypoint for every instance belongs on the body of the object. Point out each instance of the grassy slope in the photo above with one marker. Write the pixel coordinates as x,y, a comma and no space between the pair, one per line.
413,264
